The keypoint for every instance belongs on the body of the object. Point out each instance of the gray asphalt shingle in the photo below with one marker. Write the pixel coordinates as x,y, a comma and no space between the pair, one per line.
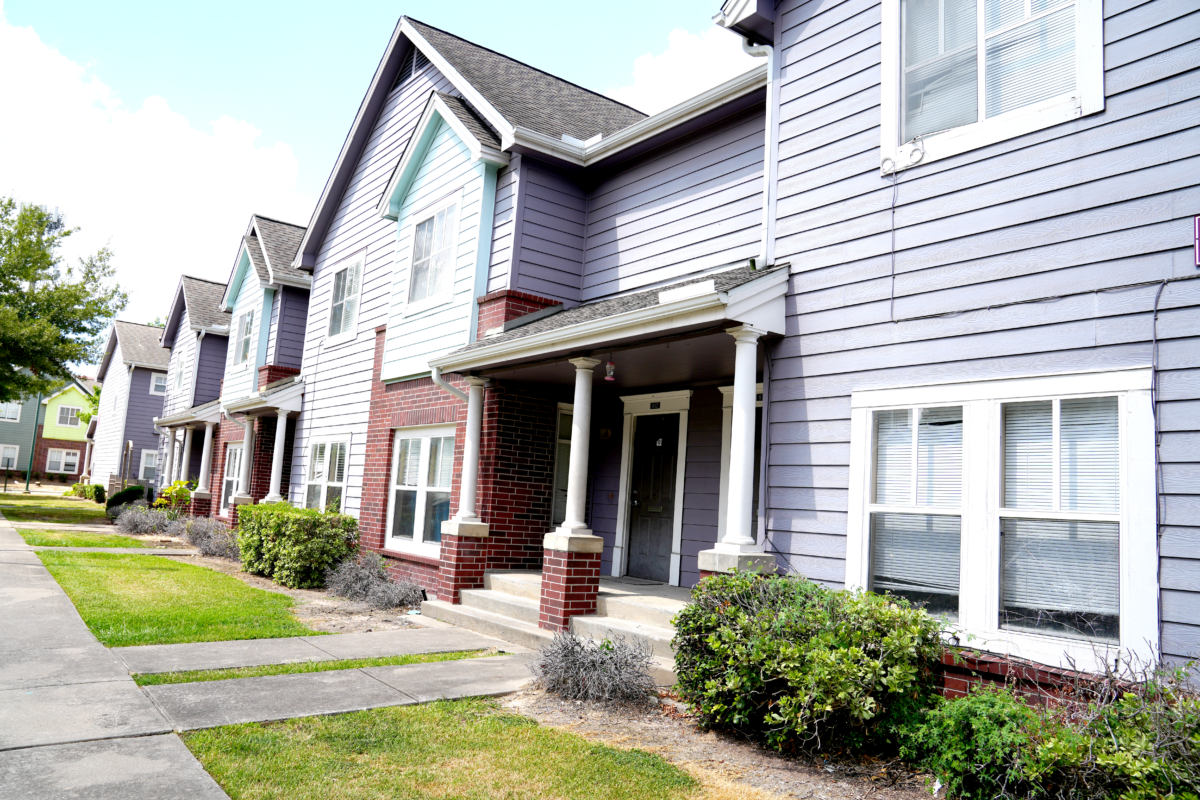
203,299
139,343
281,240
471,120
254,249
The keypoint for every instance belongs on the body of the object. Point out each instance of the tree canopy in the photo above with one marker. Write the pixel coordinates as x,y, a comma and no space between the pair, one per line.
52,314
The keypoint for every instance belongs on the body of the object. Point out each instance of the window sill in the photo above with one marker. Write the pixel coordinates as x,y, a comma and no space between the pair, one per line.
430,551
412,557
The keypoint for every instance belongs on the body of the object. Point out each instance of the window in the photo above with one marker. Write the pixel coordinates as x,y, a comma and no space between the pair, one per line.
343,307
10,412
149,466
242,345
326,476
961,74
158,383
178,376
9,454
1022,510
422,468
434,248
232,482
68,416
62,461
562,464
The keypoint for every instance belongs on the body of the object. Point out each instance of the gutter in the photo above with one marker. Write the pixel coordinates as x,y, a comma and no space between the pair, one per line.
440,382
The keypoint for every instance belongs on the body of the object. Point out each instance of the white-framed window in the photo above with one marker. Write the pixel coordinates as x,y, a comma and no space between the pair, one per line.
962,74
10,412
158,383
326,475
562,464
243,345
58,460
1021,509
344,297
10,454
419,499
434,253
232,481
68,416
179,375
149,467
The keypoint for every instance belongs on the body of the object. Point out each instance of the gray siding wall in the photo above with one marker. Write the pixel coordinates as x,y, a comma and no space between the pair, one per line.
693,205
701,482
504,225
287,327
338,393
139,416
273,330
21,433
183,356
1055,220
110,427
550,234
211,369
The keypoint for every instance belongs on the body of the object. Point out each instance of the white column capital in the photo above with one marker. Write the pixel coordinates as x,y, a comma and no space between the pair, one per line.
282,412
475,380
746,333
584,364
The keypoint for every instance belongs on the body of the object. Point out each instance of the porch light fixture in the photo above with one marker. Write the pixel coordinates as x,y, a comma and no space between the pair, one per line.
610,371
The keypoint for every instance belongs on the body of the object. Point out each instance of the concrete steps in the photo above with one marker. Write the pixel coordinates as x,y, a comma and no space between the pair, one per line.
509,605
489,623
598,627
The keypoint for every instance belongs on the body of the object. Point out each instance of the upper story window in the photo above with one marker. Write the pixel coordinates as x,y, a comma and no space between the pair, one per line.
434,252
242,344
178,376
1021,510
962,74
10,412
68,416
343,305
158,383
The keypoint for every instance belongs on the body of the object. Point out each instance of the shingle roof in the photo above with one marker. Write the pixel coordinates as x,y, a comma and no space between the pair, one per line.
722,281
203,300
139,343
281,241
526,96
256,259
90,384
471,120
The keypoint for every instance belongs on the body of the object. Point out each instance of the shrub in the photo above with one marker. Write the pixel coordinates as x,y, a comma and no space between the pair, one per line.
293,546
126,496
611,671
207,535
138,518
174,498
798,665
364,577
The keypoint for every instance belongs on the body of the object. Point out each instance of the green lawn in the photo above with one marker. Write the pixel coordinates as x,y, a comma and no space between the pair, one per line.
40,508
468,749
44,538
134,599
202,675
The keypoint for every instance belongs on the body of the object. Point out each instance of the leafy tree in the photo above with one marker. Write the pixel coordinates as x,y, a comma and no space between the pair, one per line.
93,406
157,322
52,314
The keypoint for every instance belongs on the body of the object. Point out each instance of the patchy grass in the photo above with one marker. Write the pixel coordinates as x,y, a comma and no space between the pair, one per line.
468,749
44,538
135,599
43,508
203,675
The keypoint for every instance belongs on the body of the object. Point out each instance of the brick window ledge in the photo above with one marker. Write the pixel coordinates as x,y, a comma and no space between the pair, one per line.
413,558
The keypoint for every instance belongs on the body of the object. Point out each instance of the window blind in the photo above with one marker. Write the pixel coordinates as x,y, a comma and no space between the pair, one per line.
441,461
939,456
940,65
1030,63
408,468
893,457
917,556
1089,455
1028,455
345,299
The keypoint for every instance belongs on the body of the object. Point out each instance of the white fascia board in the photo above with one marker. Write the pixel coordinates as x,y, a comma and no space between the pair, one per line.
234,285
289,399
187,417
304,282
389,203
144,365
64,390
215,330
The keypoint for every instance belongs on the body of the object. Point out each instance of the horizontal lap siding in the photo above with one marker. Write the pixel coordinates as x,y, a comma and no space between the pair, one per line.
211,369
338,389
701,481
241,378
110,428
1059,221
692,205
289,336
503,226
550,241
139,417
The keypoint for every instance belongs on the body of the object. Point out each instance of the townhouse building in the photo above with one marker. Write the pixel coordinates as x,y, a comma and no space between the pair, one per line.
61,449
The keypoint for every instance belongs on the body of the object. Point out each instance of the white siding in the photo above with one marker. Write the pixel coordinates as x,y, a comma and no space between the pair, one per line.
110,429
242,379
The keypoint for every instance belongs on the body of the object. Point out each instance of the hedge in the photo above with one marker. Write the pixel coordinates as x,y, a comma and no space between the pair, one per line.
293,546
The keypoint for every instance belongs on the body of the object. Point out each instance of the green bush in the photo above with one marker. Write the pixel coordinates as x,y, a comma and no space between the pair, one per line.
293,546
797,665
126,496
88,491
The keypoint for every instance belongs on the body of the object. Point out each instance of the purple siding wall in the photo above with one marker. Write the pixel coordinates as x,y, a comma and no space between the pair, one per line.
551,234
702,481
211,369
288,329
139,415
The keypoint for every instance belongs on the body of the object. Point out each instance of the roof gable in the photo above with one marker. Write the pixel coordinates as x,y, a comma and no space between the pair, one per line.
139,345
279,242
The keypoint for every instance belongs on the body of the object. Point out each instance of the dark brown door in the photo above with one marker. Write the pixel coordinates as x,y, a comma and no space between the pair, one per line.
652,496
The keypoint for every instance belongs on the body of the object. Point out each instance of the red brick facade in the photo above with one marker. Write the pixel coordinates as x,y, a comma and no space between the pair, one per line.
497,308
963,671
569,584
272,372
41,455
229,432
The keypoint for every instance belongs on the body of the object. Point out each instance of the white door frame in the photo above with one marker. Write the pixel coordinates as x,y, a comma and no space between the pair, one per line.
640,405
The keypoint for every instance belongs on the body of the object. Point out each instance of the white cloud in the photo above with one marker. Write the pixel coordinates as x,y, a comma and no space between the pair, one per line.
167,197
690,65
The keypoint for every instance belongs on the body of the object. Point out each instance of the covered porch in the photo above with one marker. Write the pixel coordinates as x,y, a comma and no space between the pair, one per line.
656,441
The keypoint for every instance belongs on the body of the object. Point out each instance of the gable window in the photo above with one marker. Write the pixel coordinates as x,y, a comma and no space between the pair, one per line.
1021,510
422,469
149,466
434,252
10,412
326,476
178,376
961,74
9,454
343,306
242,344
232,482
158,383
58,460
68,416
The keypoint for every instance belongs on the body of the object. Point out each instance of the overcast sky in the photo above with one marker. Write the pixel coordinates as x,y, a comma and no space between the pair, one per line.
158,128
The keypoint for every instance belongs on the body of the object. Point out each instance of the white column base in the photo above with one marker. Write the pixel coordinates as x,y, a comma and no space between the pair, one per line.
473,528
272,499
728,561
242,500
573,540
199,495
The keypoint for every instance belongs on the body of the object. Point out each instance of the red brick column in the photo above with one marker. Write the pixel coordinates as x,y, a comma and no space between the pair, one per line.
464,558
504,305
570,579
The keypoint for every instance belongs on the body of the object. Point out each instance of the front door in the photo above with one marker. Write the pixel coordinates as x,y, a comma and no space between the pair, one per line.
652,496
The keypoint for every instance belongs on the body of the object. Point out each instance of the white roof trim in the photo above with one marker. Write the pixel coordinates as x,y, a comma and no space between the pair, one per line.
759,303
288,399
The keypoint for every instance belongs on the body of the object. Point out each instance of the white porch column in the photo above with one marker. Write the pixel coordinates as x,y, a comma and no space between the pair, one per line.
738,534
581,424
167,469
466,521
273,495
206,461
87,461
185,460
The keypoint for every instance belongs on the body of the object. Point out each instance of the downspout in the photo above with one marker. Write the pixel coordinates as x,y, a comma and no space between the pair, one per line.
439,382
766,250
